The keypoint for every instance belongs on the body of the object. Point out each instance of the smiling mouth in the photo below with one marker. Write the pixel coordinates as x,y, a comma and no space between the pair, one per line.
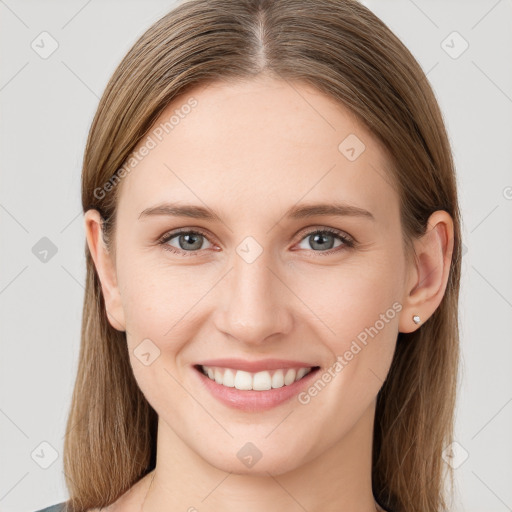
256,381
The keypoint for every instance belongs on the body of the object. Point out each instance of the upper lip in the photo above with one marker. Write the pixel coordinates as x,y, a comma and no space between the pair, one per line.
255,366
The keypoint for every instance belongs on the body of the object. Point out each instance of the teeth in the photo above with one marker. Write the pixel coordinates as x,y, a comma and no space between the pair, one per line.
229,378
290,376
301,373
259,381
243,380
278,380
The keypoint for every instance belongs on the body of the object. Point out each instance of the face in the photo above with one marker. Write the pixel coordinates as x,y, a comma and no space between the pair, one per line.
264,277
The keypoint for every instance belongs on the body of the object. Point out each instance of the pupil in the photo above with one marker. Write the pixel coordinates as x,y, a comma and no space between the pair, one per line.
190,239
322,245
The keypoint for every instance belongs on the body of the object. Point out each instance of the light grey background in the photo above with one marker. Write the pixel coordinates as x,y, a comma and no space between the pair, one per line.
47,106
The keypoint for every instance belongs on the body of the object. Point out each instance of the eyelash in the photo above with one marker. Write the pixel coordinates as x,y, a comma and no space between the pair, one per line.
347,241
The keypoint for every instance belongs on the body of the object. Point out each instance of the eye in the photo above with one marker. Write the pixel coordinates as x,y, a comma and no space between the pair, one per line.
324,240
188,243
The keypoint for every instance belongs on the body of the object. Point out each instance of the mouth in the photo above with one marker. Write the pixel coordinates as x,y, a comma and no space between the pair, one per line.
254,392
256,381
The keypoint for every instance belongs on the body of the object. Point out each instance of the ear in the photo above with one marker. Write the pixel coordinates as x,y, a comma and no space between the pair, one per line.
428,276
105,266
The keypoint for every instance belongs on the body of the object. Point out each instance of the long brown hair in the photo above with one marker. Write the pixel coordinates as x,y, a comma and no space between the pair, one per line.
343,50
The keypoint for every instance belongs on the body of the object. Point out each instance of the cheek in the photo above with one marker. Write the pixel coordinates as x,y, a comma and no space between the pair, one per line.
356,306
161,301
159,311
356,319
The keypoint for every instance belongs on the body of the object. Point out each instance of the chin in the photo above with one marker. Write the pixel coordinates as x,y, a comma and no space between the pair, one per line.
248,459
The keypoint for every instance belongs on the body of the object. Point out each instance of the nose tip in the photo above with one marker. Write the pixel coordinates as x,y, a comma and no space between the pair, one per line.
254,304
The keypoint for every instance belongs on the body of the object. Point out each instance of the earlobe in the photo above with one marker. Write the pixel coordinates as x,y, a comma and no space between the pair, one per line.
105,268
427,283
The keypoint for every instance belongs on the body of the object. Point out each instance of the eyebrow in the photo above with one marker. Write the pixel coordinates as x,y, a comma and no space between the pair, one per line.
295,212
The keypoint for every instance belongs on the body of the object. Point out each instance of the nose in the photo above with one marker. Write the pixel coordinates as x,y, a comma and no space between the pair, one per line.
254,303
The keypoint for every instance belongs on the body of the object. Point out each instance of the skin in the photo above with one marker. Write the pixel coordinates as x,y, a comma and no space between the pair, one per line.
249,151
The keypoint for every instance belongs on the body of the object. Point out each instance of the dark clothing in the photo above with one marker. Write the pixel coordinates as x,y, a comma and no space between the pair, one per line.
59,507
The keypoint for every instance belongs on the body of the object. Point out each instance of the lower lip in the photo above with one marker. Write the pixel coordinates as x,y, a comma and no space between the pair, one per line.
252,400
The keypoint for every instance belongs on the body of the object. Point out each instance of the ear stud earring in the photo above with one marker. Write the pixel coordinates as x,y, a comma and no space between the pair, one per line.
416,319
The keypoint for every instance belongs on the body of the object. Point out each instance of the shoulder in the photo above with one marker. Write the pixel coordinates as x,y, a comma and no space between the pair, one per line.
130,500
59,507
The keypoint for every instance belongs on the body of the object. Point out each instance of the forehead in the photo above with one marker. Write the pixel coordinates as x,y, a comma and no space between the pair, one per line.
254,144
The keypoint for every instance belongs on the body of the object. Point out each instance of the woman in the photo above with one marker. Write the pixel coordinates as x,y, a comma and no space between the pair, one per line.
273,263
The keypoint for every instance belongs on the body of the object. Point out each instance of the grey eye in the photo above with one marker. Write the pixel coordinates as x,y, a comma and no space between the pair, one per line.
188,241
322,240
